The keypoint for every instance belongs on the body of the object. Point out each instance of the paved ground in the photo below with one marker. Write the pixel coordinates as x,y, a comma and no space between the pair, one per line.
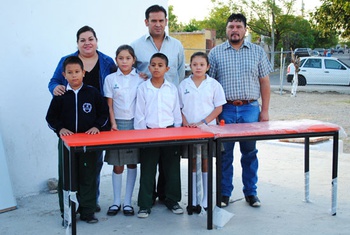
281,190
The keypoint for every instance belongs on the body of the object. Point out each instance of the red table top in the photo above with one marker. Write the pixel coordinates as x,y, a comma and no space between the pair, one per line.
204,132
136,136
271,128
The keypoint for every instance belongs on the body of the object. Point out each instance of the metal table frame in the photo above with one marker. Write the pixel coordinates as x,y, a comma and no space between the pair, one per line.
307,136
69,162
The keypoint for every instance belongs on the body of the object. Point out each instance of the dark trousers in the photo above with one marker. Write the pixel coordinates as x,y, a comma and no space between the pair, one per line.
149,158
86,175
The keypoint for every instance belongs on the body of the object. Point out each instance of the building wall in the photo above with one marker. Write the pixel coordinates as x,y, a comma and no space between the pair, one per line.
194,41
35,35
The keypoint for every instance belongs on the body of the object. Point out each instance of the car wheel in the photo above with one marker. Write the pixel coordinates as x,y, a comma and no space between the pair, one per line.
301,80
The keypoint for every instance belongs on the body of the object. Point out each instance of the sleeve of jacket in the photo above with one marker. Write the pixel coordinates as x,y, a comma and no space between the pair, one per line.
57,77
102,121
53,115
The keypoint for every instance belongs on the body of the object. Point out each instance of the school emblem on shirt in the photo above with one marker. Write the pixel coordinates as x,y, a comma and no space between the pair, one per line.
87,107
186,92
116,86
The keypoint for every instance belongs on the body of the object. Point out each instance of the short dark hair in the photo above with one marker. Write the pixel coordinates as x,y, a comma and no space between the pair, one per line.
200,54
155,8
237,17
127,48
86,29
161,56
72,60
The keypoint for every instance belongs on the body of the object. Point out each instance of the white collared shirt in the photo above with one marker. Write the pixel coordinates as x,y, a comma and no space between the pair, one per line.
197,103
122,89
157,107
69,88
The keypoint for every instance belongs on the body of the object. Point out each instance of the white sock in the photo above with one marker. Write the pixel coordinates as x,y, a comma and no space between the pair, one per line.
194,189
205,189
117,188
130,183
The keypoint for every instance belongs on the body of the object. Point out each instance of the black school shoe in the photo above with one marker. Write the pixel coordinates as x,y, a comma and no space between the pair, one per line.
194,209
98,208
253,200
89,218
225,201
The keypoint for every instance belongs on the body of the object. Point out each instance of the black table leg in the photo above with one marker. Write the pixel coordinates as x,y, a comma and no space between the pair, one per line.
190,177
210,185
307,168
335,173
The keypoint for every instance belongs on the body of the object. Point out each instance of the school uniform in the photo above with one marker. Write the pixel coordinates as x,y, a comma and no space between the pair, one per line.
158,108
78,111
122,90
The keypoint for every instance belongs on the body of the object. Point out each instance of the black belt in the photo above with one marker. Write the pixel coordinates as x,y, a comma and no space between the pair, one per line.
239,102
165,127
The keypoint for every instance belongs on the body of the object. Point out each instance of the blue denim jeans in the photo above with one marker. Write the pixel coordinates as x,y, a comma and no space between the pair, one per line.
249,161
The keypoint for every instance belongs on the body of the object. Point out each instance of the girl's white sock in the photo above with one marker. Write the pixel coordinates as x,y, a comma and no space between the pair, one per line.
130,183
205,189
117,188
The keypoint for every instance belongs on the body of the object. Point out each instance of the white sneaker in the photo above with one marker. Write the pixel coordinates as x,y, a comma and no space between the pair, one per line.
143,213
176,209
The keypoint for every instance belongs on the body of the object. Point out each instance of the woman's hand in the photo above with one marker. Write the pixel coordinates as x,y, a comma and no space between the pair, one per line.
59,90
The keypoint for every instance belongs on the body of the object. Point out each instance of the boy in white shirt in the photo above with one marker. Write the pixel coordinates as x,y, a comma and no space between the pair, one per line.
157,106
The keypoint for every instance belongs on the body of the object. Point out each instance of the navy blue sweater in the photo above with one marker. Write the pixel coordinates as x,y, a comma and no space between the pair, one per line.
89,110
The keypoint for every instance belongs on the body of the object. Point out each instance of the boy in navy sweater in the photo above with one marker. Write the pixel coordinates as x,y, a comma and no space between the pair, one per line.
82,109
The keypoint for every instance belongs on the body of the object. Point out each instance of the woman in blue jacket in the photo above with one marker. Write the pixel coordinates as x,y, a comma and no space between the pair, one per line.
97,66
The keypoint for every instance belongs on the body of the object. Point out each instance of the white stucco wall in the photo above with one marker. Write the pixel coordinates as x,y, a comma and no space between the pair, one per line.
35,34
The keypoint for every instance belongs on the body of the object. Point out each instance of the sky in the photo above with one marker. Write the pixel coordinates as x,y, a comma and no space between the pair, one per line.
186,10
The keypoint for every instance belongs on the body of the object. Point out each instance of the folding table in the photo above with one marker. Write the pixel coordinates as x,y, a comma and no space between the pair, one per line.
279,130
108,140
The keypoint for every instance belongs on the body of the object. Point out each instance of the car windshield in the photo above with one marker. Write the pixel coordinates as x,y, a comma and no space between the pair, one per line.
347,65
313,63
302,62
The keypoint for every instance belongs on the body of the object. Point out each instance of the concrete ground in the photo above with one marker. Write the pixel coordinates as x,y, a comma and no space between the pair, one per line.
280,188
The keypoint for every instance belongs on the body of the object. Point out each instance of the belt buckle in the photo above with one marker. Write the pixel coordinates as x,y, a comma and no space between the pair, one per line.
237,102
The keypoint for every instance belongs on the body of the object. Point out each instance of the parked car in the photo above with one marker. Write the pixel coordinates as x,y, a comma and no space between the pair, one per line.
320,51
320,70
302,52
339,50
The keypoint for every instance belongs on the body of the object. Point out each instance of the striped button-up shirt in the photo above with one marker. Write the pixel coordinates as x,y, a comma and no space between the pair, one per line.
239,71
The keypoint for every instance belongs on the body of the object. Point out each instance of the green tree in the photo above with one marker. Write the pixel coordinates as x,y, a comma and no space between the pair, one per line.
334,15
324,37
192,26
218,16
293,31
173,24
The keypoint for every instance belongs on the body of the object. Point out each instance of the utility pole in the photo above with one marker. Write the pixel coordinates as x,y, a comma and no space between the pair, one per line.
273,35
302,8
